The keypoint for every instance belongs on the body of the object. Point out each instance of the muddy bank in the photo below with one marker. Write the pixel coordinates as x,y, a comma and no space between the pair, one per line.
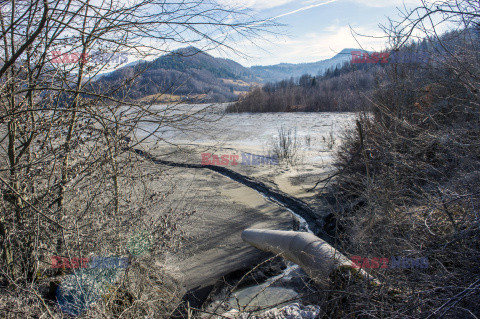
211,240
225,255
293,204
228,199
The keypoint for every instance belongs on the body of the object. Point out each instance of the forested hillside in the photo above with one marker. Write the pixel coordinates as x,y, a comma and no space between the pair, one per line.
340,89
407,184
188,74
279,72
348,87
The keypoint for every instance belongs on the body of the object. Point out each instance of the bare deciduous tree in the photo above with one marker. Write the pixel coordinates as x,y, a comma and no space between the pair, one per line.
70,185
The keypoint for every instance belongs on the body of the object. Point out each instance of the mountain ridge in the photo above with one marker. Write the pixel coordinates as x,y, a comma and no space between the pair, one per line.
281,71
190,72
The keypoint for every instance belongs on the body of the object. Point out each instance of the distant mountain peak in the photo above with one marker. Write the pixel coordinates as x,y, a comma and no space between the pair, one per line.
277,72
219,79
187,73
347,52
191,50
350,50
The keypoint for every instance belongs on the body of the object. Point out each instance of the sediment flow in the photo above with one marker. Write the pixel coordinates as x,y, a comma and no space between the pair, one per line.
291,203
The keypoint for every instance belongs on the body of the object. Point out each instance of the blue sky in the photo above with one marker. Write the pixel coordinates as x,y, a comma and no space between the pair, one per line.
315,29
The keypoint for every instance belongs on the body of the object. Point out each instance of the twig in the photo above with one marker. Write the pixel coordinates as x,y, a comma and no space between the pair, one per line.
454,299
34,208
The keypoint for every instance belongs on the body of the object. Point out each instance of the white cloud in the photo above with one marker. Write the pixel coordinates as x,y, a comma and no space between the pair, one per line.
269,4
389,3
311,6
255,4
310,47
318,46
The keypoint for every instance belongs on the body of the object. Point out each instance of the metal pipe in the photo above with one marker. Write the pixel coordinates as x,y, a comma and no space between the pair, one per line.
316,257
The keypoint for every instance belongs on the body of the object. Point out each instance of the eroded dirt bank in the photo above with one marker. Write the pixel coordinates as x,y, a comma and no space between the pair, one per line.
213,247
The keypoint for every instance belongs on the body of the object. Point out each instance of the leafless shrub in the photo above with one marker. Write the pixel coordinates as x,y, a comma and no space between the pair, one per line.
70,184
286,146
329,140
406,188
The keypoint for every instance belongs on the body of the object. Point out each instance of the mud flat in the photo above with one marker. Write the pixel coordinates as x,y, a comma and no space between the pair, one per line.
223,206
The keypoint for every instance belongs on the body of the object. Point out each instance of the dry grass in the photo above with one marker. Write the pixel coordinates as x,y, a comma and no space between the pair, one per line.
409,186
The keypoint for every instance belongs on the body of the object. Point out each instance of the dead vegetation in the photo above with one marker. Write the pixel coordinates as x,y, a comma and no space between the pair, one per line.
70,185
408,185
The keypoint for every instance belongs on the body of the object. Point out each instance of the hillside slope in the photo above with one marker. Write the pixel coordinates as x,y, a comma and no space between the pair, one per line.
278,72
189,74
184,74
